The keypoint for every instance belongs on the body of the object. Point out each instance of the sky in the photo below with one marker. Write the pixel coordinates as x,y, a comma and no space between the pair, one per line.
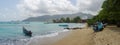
22,9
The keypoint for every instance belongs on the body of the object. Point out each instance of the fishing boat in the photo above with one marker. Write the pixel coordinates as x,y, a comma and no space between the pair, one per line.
26,32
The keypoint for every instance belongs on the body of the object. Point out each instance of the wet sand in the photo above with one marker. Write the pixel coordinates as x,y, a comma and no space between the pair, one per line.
109,36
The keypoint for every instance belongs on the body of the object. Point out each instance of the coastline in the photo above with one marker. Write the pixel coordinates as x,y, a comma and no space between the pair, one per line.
78,37
85,36
48,39
109,36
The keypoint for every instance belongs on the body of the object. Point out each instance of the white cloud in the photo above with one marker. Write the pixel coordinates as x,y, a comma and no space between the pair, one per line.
40,7
89,6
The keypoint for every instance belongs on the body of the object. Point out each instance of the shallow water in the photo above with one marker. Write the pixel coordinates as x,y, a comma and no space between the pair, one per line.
11,33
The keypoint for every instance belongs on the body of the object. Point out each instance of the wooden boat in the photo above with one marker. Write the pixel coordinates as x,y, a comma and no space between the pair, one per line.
26,32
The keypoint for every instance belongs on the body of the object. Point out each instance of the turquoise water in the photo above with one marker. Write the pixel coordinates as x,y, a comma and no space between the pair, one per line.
11,33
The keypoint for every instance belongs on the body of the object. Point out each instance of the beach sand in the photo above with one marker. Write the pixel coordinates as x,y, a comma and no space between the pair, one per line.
109,36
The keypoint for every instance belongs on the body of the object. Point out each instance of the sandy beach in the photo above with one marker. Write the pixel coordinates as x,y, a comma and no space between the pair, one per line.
109,36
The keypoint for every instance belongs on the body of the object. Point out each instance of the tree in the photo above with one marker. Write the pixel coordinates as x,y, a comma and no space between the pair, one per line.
54,21
67,20
110,12
62,20
77,19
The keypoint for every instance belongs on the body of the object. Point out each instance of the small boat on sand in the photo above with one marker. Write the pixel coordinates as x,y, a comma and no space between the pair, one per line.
26,32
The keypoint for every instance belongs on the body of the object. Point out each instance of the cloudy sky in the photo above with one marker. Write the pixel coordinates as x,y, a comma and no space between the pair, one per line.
21,9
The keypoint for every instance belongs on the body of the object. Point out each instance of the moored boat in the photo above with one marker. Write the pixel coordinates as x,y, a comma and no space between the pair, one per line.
26,32
63,25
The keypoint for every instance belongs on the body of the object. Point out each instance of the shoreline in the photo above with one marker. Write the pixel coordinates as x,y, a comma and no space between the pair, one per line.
85,36
77,37
48,39
109,36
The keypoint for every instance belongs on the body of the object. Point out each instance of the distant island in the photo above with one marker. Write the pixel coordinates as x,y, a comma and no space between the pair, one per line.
48,18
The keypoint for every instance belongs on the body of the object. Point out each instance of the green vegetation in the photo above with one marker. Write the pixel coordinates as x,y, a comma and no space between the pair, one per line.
77,19
110,13
68,20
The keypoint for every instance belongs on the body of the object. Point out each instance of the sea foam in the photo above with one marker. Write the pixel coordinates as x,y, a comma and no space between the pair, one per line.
48,39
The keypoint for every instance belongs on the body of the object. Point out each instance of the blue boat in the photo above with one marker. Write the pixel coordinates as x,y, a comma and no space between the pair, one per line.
64,25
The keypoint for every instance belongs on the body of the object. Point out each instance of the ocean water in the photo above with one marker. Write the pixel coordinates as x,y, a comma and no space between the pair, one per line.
12,34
